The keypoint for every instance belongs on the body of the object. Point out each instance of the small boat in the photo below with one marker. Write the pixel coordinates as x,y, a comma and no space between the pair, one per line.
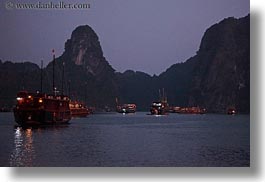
191,110
126,108
160,107
39,109
78,109
174,109
231,111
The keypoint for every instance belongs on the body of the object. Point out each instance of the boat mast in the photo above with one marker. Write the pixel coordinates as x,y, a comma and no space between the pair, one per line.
63,79
53,64
85,92
41,72
163,97
117,102
69,94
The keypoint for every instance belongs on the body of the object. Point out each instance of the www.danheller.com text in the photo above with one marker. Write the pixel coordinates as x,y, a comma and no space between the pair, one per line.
9,5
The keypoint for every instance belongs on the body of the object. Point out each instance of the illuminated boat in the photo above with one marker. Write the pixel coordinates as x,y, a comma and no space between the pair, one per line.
160,107
191,110
126,108
39,109
78,109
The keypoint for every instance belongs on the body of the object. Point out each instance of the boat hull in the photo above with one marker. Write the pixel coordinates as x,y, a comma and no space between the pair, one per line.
127,111
41,117
158,112
79,112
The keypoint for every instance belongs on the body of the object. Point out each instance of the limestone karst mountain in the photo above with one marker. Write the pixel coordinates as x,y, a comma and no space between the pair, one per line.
217,77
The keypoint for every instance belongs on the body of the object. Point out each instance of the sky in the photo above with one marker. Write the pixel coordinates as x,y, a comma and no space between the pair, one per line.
141,35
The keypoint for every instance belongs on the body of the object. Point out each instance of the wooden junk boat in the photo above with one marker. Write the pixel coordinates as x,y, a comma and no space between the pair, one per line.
40,108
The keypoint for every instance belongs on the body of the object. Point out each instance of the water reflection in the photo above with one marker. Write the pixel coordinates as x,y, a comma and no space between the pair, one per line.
23,153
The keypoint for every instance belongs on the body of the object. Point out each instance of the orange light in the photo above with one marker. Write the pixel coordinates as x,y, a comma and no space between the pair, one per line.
40,101
29,96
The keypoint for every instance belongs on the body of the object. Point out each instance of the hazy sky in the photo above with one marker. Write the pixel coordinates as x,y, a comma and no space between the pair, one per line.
143,35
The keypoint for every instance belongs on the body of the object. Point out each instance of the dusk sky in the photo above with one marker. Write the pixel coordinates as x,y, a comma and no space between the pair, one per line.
143,35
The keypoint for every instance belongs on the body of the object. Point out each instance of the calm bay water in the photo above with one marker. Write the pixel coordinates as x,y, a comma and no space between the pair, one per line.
129,140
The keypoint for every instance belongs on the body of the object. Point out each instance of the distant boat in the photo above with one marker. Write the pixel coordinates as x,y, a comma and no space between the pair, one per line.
126,108
78,109
174,109
231,111
191,110
160,107
107,109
